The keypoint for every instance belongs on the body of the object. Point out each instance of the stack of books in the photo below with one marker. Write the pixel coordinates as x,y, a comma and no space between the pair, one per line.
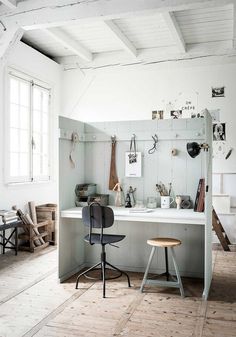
7,216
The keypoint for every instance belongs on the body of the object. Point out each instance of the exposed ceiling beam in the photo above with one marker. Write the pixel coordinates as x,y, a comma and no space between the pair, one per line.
37,14
74,46
7,41
175,31
200,51
9,3
122,39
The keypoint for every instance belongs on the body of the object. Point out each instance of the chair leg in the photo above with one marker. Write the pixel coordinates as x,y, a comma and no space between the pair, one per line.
121,271
177,271
147,269
103,268
84,272
103,278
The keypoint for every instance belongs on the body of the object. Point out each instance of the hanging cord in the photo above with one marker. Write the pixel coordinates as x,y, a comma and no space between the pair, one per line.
154,148
132,148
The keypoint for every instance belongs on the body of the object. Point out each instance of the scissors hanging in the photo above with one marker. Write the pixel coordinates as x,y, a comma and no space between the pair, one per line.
154,148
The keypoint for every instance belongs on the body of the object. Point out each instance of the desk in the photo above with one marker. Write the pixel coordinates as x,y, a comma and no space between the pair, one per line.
7,240
185,225
171,215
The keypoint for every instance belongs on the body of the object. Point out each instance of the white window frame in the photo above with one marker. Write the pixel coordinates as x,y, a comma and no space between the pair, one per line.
11,72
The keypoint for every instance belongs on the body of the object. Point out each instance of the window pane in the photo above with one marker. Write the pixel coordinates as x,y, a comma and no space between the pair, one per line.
24,164
36,164
24,118
45,123
36,121
45,101
14,160
24,94
45,144
24,141
45,166
14,140
14,115
36,98
37,143
14,91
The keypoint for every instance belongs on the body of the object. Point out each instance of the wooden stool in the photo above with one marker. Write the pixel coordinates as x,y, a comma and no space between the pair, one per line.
164,243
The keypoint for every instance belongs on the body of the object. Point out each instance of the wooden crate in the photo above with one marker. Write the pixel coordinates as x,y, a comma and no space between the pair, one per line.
29,236
48,212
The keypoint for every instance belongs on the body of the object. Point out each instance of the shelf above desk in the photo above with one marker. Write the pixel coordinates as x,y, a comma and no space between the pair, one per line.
171,215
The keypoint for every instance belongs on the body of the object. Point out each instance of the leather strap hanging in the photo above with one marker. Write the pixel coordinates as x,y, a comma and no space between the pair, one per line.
113,180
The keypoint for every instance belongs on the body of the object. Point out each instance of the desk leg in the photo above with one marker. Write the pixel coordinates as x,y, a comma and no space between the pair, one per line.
3,242
16,241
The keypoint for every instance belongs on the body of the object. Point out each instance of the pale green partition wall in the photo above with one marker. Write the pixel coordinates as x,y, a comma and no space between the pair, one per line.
208,206
71,244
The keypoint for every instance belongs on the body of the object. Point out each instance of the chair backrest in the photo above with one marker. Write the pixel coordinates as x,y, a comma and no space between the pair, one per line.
97,216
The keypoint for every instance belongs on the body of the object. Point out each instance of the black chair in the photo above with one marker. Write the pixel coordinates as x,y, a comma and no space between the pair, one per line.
97,216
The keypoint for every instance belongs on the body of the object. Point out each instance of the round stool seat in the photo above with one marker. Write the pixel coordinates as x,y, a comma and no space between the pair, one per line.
164,242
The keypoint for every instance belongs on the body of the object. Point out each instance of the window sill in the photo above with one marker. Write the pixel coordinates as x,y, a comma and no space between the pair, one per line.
29,183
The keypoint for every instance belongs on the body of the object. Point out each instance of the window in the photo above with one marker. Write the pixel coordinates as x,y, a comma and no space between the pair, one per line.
27,130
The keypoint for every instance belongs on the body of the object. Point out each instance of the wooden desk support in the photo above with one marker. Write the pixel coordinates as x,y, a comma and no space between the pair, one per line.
186,225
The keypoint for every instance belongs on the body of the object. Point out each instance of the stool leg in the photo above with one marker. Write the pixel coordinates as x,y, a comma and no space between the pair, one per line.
167,265
147,269
177,271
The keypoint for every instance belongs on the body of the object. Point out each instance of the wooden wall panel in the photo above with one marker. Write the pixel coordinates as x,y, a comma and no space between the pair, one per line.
183,171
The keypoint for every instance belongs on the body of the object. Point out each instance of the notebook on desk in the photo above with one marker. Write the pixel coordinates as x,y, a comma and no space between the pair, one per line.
140,210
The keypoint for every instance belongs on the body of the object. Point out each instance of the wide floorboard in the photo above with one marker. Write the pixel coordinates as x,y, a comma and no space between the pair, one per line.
33,303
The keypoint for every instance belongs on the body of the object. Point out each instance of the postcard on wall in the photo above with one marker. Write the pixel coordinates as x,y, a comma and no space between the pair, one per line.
157,114
218,91
133,164
176,114
215,115
219,131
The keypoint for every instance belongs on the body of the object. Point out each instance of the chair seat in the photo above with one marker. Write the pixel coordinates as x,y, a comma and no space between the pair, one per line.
164,242
107,238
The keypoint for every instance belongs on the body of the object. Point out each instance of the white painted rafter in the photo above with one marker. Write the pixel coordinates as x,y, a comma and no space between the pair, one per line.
9,3
121,38
175,31
7,41
74,46
38,14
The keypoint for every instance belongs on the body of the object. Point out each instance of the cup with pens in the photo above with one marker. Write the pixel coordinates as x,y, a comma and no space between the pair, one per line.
166,199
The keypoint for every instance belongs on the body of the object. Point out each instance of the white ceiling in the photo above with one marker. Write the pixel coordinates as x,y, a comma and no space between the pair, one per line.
138,36
144,32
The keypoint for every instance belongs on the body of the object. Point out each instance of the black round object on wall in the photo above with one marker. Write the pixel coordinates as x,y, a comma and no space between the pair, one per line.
193,149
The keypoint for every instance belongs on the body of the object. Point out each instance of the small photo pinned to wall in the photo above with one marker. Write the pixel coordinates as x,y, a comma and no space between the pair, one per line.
176,114
154,114
215,115
159,114
219,131
218,91
219,149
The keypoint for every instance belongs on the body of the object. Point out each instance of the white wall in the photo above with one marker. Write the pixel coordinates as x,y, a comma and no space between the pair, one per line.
30,61
131,94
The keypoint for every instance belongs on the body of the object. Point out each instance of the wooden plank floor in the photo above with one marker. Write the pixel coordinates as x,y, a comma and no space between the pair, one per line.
33,303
